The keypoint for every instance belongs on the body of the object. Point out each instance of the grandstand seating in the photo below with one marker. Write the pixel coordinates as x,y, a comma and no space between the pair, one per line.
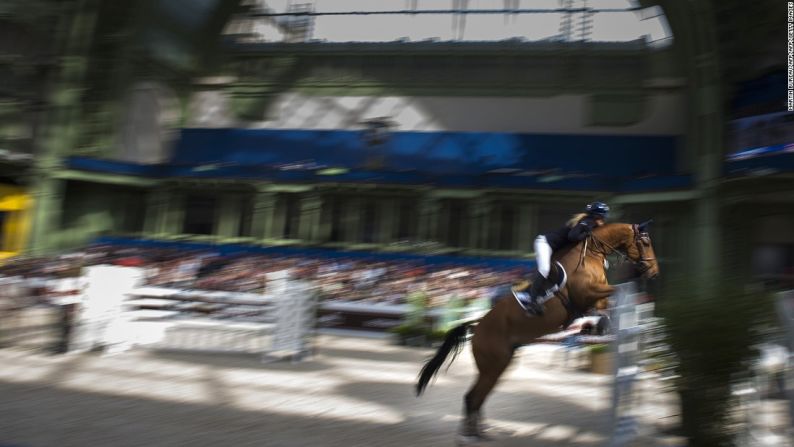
317,253
448,159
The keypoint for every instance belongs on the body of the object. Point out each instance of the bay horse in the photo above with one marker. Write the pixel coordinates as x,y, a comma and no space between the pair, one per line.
507,325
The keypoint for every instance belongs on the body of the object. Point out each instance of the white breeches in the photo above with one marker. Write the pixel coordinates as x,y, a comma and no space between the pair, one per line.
543,255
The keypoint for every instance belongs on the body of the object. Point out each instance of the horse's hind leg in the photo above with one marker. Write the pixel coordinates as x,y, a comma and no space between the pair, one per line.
491,363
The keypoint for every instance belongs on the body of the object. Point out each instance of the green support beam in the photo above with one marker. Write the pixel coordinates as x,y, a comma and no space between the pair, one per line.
106,179
387,220
654,197
228,217
48,194
262,219
429,216
480,214
174,219
165,212
310,213
156,204
60,133
527,227
706,140
380,72
278,221
352,220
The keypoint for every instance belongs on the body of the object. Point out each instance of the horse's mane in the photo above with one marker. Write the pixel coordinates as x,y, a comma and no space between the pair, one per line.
607,230
603,232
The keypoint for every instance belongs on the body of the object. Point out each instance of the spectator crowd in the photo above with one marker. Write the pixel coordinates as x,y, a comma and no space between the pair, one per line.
338,279
760,131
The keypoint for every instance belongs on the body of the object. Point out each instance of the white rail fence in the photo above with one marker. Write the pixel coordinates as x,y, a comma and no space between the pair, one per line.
119,314
637,400
785,307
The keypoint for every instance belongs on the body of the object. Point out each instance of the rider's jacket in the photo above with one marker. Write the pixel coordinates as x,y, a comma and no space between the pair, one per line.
559,238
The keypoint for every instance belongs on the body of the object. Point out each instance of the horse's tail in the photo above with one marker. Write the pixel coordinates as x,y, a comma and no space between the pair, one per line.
453,342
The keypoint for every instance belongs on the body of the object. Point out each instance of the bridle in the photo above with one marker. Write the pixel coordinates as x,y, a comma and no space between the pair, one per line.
641,237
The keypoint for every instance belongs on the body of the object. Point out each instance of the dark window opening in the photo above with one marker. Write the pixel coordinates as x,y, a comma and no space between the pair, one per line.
507,227
246,216
133,211
200,212
406,220
370,221
336,219
454,226
291,206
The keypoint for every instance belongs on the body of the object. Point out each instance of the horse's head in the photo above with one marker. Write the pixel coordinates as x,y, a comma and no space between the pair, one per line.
632,242
640,250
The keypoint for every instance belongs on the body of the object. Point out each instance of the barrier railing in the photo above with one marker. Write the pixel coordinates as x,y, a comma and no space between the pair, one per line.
26,319
119,314
626,345
633,322
785,308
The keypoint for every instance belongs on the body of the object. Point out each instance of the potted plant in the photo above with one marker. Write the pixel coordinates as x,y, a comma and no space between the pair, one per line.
601,359
409,334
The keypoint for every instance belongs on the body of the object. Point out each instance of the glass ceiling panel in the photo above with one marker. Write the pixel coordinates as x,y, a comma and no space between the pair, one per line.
456,20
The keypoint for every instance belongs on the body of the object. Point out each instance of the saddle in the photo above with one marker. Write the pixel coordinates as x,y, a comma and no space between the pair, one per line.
522,289
557,279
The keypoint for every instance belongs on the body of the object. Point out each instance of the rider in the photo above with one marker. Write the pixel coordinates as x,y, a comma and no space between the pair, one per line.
577,229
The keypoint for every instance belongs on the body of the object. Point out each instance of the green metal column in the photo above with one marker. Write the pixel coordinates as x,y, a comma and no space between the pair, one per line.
480,216
739,237
325,225
59,135
279,221
351,219
429,210
264,213
494,227
442,222
229,214
388,220
174,216
156,205
706,140
527,227
175,213
48,197
311,206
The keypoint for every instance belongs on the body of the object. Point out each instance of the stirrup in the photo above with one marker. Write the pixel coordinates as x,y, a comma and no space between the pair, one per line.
529,305
535,308
539,291
548,294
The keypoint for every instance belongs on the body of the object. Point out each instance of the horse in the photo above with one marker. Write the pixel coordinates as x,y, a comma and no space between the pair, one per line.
508,326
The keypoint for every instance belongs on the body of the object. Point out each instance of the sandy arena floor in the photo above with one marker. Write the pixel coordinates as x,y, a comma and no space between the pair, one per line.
354,392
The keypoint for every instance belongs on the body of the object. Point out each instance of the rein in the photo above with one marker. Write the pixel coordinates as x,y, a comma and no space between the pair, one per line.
601,247
584,252
598,247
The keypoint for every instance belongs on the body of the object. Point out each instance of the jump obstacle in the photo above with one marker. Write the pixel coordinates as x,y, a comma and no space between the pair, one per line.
119,314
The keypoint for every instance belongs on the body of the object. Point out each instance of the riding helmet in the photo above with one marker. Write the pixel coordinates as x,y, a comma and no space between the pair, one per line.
599,209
